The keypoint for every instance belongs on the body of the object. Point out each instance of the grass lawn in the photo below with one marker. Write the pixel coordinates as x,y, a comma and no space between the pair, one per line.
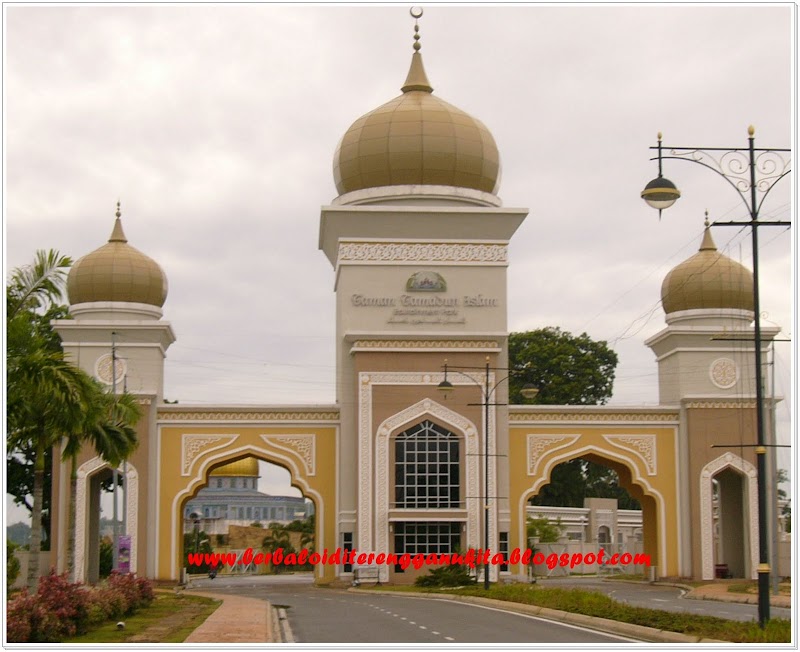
169,619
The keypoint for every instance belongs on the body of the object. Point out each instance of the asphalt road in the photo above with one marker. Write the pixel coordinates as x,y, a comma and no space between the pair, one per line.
665,598
319,615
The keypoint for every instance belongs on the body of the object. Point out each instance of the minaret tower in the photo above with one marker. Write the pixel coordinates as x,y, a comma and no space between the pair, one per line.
116,294
705,365
418,240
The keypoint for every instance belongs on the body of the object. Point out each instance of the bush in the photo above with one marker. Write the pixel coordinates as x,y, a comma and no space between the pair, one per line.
450,575
60,609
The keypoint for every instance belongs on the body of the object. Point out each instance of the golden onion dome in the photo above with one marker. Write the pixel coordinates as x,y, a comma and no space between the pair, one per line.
708,280
417,139
117,272
248,467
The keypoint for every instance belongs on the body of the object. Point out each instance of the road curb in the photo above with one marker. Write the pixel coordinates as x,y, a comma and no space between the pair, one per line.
649,634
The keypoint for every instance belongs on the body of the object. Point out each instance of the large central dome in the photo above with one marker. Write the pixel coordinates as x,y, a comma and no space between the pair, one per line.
417,139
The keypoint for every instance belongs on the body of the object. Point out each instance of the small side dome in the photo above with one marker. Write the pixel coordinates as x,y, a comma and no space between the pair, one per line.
417,139
117,272
707,281
246,468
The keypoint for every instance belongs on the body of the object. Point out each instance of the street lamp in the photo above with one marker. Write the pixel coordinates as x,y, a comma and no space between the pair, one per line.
528,391
752,172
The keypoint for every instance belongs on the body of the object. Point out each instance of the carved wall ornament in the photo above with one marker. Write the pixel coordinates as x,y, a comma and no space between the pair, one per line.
541,445
643,446
192,446
603,417
303,446
724,373
104,366
421,252
247,416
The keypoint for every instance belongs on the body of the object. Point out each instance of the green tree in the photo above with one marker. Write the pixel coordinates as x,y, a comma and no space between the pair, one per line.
541,527
568,370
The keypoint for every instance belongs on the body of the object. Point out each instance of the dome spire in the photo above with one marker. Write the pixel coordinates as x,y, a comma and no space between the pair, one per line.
118,235
416,80
708,242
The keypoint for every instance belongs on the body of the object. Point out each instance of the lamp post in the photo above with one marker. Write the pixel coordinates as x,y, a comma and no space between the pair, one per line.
528,391
752,172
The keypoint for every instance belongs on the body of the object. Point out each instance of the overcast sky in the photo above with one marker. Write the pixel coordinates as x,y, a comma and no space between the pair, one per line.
216,127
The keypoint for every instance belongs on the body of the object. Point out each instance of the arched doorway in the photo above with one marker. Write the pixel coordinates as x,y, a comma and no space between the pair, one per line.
602,528
246,505
90,478
728,510
189,453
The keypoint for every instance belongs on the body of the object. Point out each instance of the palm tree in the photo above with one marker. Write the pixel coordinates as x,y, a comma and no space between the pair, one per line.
47,398
277,538
109,429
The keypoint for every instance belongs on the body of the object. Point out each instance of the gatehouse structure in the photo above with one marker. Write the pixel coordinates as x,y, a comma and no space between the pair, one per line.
418,240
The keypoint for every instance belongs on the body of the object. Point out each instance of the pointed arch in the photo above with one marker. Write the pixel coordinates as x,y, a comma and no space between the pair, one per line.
291,460
746,469
84,473
549,459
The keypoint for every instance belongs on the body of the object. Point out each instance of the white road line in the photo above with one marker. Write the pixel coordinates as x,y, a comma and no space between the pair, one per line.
437,633
422,627
449,638
411,622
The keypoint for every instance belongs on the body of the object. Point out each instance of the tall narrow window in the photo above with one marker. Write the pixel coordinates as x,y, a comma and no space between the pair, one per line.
427,468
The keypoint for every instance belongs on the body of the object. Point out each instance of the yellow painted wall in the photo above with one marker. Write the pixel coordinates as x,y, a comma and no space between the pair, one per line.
644,456
188,452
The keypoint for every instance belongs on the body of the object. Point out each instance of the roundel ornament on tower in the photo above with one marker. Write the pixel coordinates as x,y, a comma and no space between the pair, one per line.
417,139
117,272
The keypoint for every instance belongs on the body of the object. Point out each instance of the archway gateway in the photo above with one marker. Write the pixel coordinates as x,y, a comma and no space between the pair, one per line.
189,451
639,445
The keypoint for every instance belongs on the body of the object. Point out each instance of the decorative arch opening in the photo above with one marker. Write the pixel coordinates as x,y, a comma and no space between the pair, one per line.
187,520
728,517
653,519
90,478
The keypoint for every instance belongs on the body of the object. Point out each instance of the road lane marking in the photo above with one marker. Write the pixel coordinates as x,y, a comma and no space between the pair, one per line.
449,638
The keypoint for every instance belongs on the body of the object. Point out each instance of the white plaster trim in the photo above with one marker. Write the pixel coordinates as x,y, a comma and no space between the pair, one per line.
733,461
409,416
636,477
84,473
176,521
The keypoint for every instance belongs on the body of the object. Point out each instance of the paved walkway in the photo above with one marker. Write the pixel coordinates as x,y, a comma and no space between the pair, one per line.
236,620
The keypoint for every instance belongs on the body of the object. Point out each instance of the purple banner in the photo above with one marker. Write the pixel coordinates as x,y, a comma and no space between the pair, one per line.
124,554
